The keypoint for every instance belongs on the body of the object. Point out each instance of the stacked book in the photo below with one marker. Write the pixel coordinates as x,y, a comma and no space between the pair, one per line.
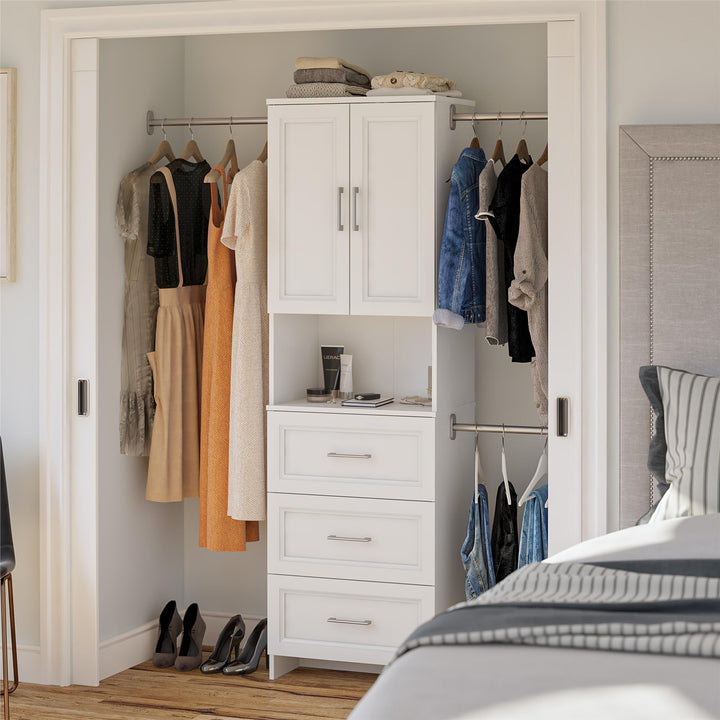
327,77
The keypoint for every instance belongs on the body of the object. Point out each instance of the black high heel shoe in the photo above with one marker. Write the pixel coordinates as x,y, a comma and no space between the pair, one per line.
228,643
170,627
250,656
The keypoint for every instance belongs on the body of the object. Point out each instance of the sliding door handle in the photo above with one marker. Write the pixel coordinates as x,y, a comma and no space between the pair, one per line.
563,417
340,192
82,397
355,192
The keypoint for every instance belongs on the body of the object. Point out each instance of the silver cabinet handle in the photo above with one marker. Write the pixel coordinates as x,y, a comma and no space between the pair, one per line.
340,192
349,622
363,456
349,539
356,227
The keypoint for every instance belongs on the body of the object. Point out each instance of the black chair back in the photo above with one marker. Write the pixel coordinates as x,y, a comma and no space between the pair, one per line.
7,549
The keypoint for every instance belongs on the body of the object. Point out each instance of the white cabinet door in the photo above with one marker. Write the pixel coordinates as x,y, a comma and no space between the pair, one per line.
392,195
308,171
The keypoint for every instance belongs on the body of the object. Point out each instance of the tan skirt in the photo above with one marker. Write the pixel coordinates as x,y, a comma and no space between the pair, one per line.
176,363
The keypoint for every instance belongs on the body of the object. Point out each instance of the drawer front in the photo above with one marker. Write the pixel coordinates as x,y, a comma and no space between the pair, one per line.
353,538
351,455
344,620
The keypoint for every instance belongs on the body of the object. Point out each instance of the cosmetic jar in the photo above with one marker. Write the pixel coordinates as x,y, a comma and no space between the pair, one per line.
318,395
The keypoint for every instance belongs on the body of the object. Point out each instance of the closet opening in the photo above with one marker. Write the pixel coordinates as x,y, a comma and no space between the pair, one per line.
179,77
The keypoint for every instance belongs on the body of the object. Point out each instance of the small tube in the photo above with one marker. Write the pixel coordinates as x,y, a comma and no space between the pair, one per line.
346,380
331,367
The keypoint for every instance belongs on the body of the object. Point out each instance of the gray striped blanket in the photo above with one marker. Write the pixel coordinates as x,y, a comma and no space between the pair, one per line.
660,607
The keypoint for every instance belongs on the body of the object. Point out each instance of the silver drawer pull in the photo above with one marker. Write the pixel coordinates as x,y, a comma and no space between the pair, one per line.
349,539
362,456
349,622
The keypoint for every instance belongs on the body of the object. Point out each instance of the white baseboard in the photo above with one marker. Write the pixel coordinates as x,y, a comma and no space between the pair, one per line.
127,649
136,646
29,665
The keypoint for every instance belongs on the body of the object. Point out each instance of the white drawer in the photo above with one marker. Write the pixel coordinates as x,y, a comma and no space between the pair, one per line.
353,538
343,620
351,455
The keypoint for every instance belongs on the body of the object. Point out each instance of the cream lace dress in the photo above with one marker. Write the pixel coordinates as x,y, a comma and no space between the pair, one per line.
245,232
137,405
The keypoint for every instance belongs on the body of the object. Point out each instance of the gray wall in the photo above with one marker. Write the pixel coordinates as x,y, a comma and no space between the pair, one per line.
140,543
663,67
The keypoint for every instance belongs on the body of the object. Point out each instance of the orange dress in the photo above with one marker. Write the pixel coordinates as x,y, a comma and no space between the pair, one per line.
218,531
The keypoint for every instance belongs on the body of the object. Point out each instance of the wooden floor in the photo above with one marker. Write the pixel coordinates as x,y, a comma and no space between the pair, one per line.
152,694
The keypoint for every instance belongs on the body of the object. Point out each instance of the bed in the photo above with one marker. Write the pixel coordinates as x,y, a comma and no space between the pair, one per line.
626,625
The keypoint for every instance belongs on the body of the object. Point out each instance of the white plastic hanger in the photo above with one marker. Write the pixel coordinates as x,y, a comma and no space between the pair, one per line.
540,472
503,463
479,476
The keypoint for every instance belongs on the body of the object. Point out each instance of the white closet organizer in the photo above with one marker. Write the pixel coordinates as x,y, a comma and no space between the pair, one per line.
364,525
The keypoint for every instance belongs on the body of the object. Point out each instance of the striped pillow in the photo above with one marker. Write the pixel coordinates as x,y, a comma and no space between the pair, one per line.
691,405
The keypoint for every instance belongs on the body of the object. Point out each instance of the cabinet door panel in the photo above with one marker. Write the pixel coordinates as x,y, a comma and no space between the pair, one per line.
392,237
307,205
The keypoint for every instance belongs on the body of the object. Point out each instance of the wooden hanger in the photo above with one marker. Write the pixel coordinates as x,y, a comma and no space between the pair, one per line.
499,151
230,156
163,149
262,157
475,142
522,149
544,157
191,149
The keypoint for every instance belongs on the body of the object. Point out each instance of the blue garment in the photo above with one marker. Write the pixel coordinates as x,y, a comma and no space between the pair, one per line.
461,277
534,535
476,553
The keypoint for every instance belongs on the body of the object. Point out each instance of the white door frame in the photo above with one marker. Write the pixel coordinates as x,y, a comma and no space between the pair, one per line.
69,84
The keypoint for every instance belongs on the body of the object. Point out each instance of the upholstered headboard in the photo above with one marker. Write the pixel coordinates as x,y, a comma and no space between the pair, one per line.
669,276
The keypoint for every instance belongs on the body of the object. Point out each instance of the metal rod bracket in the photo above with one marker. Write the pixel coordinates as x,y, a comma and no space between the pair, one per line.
148,120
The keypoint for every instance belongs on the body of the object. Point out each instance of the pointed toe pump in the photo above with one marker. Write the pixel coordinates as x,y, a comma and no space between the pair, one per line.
228,643
190,654
250,656
170,627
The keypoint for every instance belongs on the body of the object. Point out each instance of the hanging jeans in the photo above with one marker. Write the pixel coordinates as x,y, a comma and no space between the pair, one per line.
504,540
476,553
534,534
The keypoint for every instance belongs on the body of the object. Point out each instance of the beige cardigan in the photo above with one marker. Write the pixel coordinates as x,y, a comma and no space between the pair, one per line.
528,290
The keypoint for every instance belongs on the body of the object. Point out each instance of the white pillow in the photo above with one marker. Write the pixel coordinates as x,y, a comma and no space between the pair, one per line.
691,405
679,538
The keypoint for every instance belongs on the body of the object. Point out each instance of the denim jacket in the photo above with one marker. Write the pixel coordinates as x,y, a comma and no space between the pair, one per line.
461,277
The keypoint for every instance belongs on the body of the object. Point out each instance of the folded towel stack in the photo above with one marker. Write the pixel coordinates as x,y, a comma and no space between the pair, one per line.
327,77
402,82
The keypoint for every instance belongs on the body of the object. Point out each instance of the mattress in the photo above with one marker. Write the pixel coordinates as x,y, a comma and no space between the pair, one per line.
503,681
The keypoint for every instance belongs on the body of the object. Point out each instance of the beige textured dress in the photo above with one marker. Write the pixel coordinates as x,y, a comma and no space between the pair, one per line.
218,531
245,232
174,467
137,405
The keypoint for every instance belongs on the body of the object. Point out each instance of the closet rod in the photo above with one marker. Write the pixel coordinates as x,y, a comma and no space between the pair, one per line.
456,427
478,117
153,122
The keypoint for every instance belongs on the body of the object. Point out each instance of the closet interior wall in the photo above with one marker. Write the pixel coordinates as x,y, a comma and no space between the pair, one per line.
500,67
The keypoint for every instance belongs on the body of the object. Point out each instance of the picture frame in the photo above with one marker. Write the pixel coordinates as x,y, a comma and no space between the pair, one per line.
8,172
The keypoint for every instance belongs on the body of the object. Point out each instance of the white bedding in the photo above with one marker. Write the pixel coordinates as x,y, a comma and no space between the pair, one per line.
491,682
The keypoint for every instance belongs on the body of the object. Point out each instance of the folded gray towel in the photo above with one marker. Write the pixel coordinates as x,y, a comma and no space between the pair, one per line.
317,89
331,75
